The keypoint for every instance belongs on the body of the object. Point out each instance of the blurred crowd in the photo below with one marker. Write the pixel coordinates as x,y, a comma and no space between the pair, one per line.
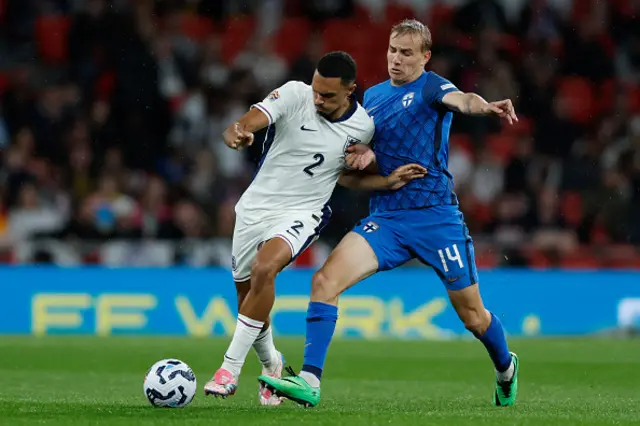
111,115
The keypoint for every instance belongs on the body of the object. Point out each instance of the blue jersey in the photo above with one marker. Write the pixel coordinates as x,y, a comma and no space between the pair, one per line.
412,126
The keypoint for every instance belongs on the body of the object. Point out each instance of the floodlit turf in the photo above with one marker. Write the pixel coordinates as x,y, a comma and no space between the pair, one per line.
87,380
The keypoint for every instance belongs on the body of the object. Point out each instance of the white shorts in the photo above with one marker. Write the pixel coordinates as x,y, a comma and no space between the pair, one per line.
298,229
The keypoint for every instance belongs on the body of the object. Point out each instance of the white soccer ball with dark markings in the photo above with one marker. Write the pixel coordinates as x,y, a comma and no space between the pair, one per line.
170,383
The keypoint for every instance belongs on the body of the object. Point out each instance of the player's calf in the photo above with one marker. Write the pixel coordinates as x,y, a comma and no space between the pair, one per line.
475,320
487,328
259,301
252,316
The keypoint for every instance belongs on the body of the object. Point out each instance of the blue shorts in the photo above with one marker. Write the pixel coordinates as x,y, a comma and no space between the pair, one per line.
437,236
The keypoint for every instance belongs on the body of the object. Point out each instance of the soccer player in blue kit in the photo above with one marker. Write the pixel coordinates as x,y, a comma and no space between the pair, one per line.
412,112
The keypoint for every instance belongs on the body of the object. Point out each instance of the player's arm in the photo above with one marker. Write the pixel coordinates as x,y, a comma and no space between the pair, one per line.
240,134
396,180
440,90
281,102
473,104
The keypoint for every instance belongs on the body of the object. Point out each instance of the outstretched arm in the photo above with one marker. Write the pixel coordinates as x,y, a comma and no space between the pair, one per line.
473,104
240,134
396,180
280,103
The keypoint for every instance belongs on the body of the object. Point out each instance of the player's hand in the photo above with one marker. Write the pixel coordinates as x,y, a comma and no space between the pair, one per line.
359,157
405,174
503,109
239,138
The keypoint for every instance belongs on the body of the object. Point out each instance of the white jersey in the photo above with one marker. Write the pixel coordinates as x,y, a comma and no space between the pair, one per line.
303,153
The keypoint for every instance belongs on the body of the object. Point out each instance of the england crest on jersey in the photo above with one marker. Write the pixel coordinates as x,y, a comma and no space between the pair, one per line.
350,142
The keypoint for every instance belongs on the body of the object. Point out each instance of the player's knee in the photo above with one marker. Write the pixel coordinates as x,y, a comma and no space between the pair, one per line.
323,289
263,273
476,321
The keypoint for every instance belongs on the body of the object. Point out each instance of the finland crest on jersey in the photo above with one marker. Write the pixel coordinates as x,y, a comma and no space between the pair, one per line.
370,227
303,153
407,99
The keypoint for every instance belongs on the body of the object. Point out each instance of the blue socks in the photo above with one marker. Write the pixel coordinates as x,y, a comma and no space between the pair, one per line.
321,323
496,343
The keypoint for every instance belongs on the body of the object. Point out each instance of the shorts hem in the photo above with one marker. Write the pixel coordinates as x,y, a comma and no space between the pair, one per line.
282,237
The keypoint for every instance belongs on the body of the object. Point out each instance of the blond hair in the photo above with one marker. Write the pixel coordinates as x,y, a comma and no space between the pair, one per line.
414,27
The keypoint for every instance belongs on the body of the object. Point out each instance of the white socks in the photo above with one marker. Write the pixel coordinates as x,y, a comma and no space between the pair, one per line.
247,330
266,350
507,374
310,378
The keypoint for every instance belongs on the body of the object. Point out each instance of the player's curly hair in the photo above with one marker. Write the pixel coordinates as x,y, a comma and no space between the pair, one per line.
413,26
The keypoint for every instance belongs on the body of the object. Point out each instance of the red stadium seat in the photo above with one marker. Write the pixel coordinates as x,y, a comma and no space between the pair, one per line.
462,141
571,208
539,260
361,13
606,95
599,234
4,83
196,27
305,259
524,126
622,256
439,14
578,93
51,38
292,37
483,213
502,146
632,262
397,12
634,99
237,32
105,84
511,44
343,34
487,258
582,258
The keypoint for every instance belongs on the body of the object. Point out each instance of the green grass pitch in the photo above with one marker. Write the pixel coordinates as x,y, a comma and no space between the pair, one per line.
90,380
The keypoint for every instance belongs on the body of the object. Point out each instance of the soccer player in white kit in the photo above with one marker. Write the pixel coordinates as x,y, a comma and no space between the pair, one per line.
314,133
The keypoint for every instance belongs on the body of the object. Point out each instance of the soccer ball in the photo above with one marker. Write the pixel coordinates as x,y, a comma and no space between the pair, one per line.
170,383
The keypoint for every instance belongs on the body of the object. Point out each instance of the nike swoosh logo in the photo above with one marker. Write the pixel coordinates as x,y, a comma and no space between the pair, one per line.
454,279
286,379
307,130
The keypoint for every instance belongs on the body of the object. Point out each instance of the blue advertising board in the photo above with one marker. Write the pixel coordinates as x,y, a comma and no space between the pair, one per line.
405,303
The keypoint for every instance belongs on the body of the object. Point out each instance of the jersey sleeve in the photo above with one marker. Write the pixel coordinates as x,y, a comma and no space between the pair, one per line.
435,88
370,130
367,135
283,101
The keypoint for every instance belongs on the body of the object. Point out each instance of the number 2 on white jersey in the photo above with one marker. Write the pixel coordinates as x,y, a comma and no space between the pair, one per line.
319,160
